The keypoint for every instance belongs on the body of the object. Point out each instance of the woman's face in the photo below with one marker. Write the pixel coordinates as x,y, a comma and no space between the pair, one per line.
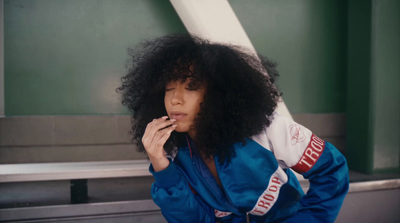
182,103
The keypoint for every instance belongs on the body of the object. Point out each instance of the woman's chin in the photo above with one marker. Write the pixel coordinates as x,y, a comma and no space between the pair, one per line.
180,130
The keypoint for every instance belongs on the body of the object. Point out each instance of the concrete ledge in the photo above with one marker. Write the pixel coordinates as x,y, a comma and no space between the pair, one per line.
78,153
64,130
73,171
374,185
38,139
113,129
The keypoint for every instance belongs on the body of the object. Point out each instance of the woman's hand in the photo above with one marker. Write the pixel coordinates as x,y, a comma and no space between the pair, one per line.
156,134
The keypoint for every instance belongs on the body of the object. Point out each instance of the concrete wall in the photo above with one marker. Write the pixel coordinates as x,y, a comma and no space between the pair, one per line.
35,139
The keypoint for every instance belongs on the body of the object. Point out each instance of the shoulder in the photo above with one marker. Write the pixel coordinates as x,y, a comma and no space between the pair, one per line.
285,138
284,130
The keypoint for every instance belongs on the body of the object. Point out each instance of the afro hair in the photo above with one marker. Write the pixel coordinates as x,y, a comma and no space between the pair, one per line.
240,97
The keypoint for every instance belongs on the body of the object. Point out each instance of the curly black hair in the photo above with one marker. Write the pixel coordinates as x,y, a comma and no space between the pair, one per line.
240,96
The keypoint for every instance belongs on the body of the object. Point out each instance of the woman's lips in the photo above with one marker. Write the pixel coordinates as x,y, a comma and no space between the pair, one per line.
178,115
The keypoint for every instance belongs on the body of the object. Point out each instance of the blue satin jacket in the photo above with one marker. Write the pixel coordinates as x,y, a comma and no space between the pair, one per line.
258,184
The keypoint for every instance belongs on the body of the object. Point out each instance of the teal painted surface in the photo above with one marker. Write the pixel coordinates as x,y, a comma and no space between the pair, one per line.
67,56
359,148
308,40
373,99
386,84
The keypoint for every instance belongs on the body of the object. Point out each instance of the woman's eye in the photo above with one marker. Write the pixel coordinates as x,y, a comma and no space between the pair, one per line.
169,89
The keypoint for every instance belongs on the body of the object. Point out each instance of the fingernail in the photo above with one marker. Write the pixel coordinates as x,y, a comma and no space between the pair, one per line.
174,126
164,117
173,120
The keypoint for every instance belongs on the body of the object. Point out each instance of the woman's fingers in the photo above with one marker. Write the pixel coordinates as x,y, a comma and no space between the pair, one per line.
162,133
162,136
156,134
155,150
151,125
154,126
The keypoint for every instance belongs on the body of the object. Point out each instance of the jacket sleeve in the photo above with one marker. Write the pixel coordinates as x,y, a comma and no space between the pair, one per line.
172,193
296,147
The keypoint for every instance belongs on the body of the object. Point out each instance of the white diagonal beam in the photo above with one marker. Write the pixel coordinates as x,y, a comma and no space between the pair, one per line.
215,20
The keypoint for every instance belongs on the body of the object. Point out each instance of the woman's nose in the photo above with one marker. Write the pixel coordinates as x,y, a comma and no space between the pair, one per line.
177,97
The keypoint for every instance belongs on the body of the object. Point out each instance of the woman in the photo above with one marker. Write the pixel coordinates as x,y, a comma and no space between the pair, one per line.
204,114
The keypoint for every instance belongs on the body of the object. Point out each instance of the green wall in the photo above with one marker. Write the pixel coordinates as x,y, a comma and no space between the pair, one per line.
307,38
386,88
67,56
373,80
